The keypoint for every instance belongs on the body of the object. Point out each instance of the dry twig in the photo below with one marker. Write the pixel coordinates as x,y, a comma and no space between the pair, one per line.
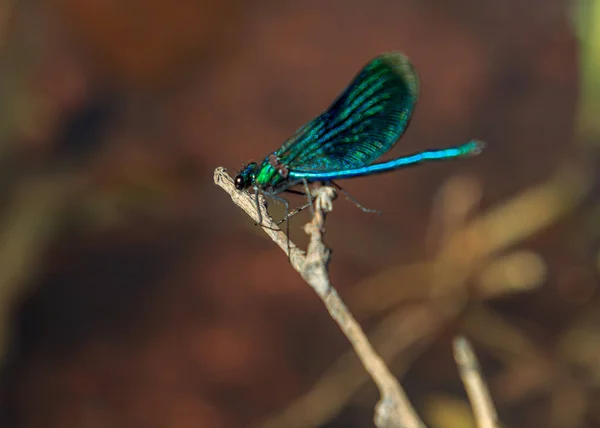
479,396
393,409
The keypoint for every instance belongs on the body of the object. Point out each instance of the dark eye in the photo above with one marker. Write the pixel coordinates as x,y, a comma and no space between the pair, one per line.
240,183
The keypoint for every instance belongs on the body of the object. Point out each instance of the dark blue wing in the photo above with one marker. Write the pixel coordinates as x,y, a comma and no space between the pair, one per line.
362,124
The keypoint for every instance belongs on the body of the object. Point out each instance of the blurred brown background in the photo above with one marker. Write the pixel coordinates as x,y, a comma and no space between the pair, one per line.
134,294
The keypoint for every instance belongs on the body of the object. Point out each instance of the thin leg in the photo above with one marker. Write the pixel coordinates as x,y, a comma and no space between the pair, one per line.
309,197
287,223
293,213
351,199
282,201
257,200
260,216
297,210
295,192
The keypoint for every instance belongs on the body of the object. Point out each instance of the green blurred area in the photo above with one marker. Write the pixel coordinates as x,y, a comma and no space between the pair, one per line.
587,17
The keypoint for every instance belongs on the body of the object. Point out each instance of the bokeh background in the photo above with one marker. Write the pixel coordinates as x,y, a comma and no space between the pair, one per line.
133,292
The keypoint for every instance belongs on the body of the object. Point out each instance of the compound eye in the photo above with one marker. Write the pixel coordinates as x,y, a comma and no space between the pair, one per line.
240,183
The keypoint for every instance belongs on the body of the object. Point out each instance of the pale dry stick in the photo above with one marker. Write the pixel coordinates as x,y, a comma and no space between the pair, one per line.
470,373
393,409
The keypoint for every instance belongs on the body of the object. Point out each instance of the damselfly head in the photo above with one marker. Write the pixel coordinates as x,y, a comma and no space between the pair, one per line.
246,177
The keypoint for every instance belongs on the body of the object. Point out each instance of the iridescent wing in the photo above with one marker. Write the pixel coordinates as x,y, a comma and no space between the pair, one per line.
362,124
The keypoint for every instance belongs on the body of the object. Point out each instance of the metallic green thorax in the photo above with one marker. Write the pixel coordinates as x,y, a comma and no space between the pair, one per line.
271,173
266,176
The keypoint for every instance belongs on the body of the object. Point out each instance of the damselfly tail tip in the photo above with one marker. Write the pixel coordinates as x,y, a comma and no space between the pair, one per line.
474,147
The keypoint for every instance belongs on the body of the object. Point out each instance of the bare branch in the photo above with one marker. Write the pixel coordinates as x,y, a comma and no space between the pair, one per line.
393,409
479,396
